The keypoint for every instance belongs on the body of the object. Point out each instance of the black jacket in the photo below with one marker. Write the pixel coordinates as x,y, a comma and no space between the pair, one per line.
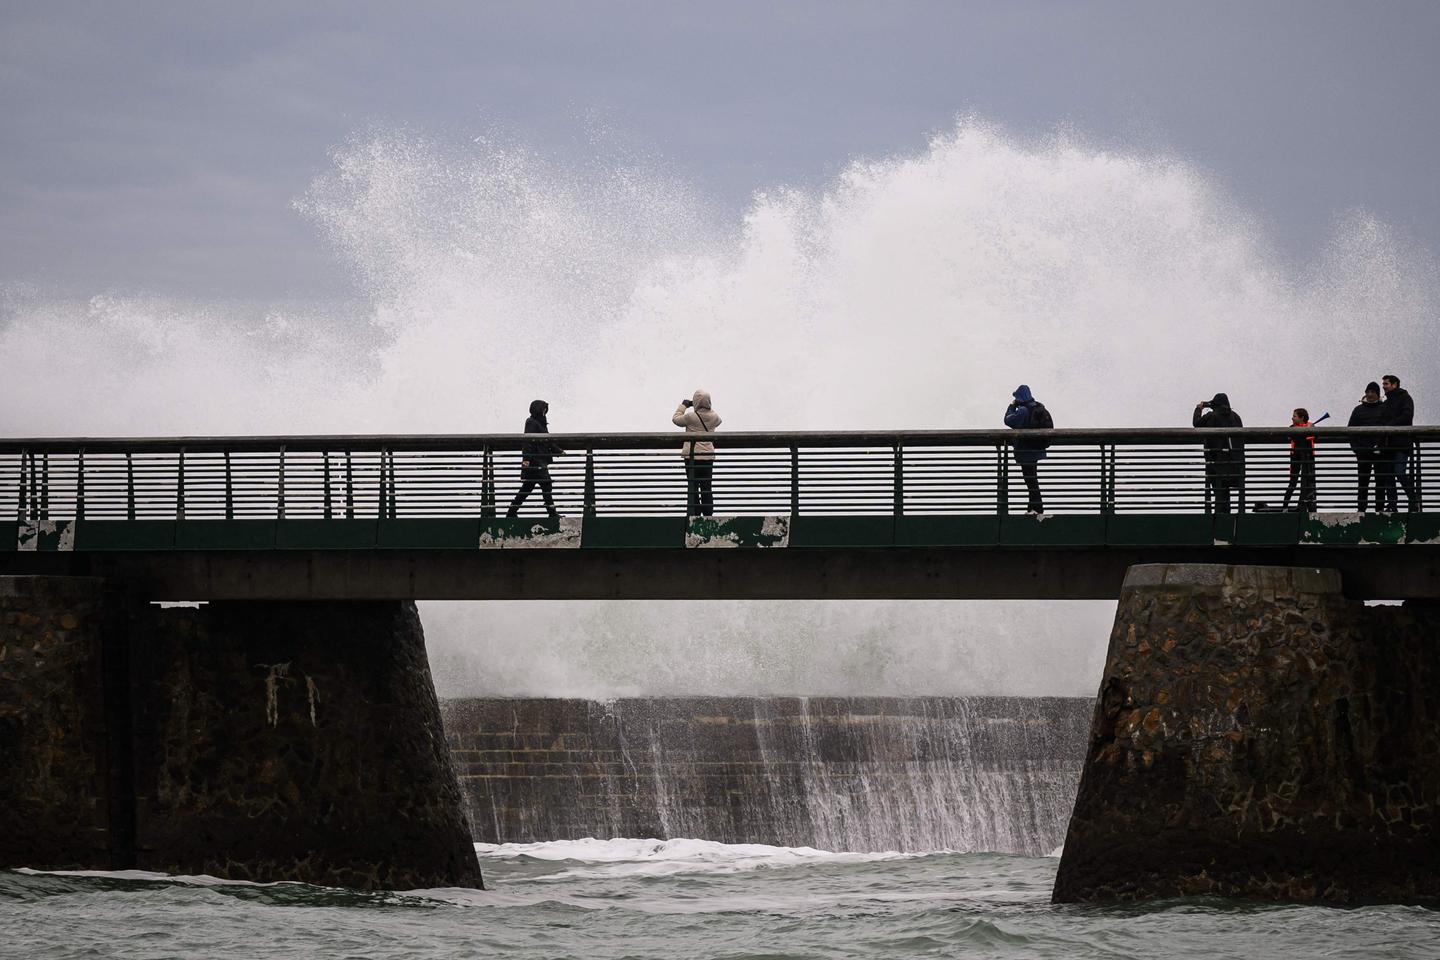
538,452
1399,412
1223,449
1367,415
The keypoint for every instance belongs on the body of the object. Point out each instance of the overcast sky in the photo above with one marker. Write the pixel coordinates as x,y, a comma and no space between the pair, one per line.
159,146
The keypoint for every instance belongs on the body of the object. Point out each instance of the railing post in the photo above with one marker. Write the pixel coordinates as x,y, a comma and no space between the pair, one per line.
692,486
1418,473
45,486
326,455
899,480
80,484
794,482
590,508
1107,478
1240,507
34,490
180,488
22,502
229,490
383,508
487,483
129,487
1002,474
280,487
349,488
392,499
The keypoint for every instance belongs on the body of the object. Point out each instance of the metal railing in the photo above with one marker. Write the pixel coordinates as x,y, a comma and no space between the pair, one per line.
846,473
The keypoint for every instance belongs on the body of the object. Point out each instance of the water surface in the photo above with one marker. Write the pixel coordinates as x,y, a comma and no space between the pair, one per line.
678,899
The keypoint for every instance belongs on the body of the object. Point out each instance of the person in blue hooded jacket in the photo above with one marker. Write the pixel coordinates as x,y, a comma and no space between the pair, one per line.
1027,413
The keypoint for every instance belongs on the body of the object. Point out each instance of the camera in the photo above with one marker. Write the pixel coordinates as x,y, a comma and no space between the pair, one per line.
687,403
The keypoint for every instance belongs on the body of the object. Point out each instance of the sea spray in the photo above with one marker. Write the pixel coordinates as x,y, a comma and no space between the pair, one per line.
911,291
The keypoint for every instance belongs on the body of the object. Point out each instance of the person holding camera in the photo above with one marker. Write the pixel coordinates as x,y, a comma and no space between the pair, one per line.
1369,457
1224,457
697,415
535,459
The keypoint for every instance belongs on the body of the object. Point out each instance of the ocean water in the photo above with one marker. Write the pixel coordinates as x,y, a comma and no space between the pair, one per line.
598,899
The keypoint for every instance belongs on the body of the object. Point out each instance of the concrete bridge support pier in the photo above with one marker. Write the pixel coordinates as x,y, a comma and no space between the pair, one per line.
1258,735
247,740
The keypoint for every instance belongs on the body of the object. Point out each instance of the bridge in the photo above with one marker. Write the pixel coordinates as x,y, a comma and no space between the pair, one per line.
263,739
874,514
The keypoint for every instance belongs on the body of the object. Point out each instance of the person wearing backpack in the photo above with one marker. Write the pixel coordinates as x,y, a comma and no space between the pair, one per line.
1224,456
1027,413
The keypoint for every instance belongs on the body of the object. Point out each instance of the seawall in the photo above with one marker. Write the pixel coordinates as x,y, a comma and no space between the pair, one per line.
839,773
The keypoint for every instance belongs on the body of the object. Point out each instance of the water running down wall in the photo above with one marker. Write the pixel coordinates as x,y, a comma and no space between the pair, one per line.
837,773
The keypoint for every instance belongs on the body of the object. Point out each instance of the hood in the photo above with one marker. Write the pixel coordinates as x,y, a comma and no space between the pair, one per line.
1221,402
538,409
701,399
1022,394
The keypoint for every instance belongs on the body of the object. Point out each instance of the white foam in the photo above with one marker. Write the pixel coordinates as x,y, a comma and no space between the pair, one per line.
653,857
193,880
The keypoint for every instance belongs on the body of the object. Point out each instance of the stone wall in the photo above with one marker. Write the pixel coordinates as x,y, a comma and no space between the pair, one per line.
55,784
840,773
248,740
295,741
1258,735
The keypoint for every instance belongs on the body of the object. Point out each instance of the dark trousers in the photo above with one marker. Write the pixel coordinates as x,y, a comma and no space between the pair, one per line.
1223,478
1368,464
700,498
1395,465
531,478
1303,473
1031,474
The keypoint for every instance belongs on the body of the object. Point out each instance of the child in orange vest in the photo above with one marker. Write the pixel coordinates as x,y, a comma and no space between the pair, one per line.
1302,465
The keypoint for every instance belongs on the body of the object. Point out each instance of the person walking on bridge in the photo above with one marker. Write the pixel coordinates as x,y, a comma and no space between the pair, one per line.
697,415
1225,456
1369,412
1399,412
1027,413
535,459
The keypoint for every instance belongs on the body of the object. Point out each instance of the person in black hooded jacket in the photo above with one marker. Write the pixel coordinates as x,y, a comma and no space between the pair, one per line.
1224,456
535,457
1369,458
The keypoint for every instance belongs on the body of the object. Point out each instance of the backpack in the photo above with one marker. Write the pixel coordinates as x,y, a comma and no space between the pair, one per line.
1040,419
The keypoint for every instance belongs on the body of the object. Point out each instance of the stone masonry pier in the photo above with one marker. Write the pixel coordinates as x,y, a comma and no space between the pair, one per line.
1258,735
245,740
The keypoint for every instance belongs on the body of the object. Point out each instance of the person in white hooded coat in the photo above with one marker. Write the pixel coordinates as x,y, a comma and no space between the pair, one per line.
697,415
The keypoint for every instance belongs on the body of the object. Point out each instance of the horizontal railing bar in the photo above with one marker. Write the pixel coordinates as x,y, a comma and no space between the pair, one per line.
858,440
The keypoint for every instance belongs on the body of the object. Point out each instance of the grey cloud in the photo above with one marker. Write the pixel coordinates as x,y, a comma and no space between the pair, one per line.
225,113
